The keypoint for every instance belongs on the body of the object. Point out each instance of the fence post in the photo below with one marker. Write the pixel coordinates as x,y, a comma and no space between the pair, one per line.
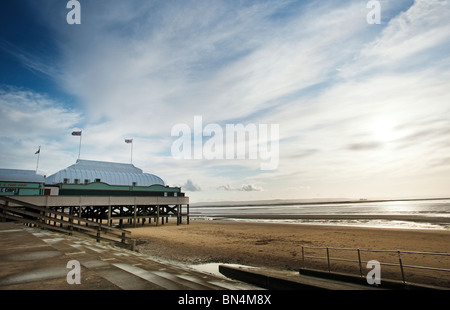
98,233
3,219
401,267
328,259
360,266
303,257
70,226
41,220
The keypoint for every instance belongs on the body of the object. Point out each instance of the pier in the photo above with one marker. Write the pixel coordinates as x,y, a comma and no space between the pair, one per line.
100,217
111,194
111,210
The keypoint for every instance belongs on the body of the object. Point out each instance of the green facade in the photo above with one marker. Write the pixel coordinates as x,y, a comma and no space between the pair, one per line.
90,189
21,188
104,189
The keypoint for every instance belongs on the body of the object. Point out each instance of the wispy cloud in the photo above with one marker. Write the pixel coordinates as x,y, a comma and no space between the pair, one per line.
29,120
33,114
38,63
352,100
245,188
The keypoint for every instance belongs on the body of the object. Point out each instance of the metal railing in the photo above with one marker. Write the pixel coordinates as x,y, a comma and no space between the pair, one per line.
399,264
48,218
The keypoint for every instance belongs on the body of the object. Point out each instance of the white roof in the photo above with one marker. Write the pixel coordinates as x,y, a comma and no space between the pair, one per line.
17,175
110,173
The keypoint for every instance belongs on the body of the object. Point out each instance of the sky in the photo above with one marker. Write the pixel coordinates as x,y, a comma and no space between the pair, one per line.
362,108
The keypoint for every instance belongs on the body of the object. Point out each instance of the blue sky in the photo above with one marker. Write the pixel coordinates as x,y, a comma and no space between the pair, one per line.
363,109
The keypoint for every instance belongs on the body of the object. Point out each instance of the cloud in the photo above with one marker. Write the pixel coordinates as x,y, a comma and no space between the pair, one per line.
28,120
41,64
251,188
32,115
406,42
245,188
441,162
316,68
191,187
167,62
284,72
364,146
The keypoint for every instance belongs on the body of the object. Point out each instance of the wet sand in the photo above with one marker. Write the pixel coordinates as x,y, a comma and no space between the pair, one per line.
279,246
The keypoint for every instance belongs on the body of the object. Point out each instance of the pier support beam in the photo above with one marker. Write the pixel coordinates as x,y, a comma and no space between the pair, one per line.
110,210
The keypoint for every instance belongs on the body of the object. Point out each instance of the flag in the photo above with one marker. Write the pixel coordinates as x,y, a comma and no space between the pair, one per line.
38,151
128,140
76,133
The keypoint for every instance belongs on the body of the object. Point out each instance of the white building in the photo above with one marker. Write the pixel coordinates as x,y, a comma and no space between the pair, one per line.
87,171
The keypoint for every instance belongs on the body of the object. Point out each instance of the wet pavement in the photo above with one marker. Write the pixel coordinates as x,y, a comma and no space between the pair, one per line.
35,259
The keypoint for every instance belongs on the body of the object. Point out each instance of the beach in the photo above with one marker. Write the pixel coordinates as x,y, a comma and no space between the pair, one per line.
279,246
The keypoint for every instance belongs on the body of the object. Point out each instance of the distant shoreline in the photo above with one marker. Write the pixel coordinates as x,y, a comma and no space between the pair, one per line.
362,216
303,202
391,217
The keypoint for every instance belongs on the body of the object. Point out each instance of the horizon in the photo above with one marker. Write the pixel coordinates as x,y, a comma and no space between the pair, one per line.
359,105
305,201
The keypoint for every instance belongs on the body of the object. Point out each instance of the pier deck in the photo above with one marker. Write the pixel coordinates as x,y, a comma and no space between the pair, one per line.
113,210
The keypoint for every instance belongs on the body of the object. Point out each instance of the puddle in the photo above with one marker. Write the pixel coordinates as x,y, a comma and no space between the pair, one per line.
10,230
213,268
53,240
33,276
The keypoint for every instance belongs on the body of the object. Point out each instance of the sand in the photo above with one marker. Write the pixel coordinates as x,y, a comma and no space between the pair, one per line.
279,246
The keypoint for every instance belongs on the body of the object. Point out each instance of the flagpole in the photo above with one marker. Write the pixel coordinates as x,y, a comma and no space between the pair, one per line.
128,141
39,154
131,142
78,133
79,147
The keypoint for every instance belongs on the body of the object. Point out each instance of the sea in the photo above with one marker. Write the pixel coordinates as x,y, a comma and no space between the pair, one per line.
405,214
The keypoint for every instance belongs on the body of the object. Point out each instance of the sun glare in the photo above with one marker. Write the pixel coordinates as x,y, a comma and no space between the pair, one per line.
383,129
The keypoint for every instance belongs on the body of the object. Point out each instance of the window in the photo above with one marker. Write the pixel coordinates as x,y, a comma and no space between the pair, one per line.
86,181
97,180
66,180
